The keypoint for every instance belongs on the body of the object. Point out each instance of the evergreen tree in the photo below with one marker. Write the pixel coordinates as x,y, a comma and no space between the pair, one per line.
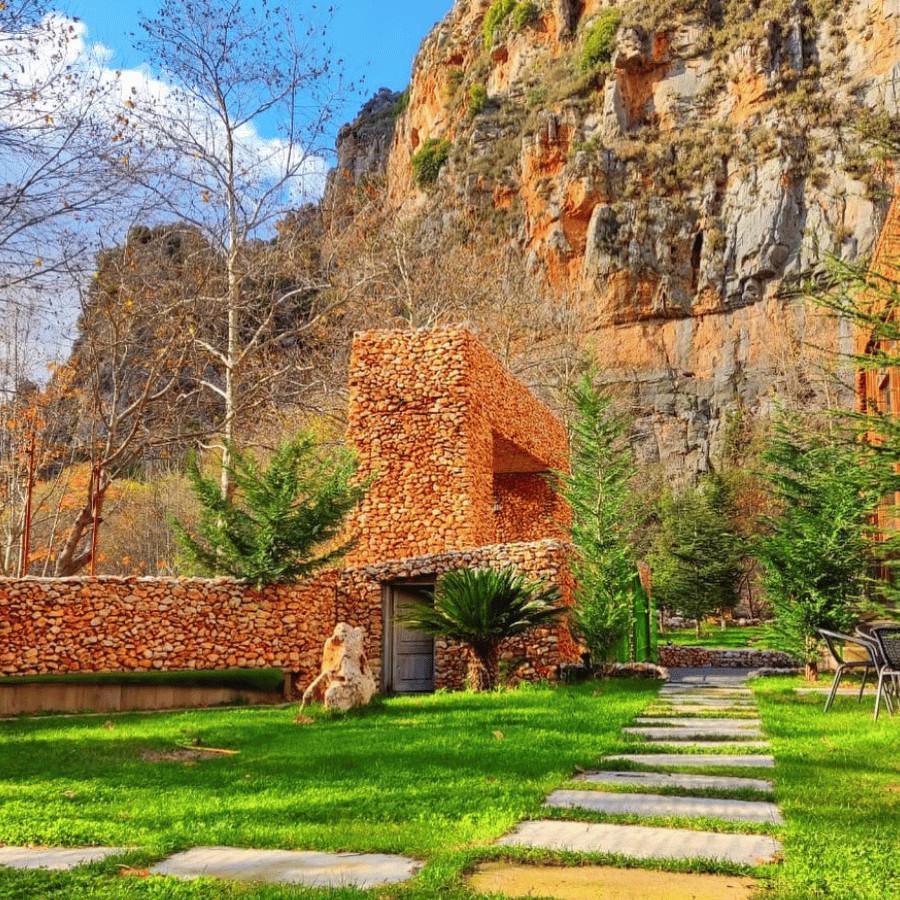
598,489
697,555
818,551
281,522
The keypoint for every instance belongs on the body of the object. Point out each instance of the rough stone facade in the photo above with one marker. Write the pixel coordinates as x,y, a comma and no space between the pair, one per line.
702,657
536,655
458,450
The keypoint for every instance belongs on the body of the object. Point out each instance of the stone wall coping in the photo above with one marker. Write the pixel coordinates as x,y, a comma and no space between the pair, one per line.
440,559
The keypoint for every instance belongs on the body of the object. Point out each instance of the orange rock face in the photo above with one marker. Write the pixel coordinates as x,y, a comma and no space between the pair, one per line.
670,195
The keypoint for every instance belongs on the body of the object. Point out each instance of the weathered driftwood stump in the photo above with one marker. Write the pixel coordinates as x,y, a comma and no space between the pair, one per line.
346,680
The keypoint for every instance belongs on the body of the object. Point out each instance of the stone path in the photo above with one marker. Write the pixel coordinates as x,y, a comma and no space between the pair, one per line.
693,713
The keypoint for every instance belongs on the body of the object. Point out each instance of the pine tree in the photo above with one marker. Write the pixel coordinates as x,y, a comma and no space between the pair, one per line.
697,555
282,521
598,489
818,551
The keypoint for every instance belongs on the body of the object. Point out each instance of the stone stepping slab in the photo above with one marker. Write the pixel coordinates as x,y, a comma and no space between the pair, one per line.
696,760
729,746
58,859
676,780
700,731
661,805
644,842
708,723
330,870
582,882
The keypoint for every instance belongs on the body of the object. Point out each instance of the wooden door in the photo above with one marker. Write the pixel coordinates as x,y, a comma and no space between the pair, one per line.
412,653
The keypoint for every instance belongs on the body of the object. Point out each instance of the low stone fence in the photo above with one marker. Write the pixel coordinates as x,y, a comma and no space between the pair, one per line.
680,657
107,624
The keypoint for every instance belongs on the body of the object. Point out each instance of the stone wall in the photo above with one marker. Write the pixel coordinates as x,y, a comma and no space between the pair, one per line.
110,624
435,419
106,624
675,657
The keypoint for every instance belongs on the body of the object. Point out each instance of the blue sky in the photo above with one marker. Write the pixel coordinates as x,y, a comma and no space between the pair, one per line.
376,38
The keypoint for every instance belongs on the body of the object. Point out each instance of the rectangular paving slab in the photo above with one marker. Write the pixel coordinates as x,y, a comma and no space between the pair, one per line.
697,760
661,805
362,870
592,882
694,731
732,746
709,723
57,859
643,842
677,780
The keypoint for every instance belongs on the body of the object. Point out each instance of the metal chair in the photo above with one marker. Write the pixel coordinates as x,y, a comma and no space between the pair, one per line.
836,641
888,637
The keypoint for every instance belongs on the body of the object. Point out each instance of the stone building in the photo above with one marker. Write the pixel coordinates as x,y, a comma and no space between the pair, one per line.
457,452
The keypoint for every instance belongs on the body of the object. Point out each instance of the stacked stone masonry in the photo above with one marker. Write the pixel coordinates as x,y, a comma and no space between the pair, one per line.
458,451
702,657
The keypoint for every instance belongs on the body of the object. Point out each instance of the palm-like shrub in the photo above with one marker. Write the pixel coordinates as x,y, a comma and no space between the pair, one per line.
481,608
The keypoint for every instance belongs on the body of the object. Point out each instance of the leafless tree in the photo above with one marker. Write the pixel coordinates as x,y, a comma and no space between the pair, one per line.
233,70
64,150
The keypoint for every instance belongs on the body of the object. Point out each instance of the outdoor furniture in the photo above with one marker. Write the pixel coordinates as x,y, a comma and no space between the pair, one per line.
836,641
888,637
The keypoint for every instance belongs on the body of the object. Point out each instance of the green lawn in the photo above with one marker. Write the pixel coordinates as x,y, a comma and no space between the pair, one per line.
714,636
838,785
435,777
438,778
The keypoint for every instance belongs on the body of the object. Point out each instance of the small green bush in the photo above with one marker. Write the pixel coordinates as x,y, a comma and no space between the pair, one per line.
524,15
478,98
454,80
428,160
401,105
600,39
496,15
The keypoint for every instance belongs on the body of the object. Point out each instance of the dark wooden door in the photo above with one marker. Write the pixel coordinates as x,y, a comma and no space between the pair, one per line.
412,662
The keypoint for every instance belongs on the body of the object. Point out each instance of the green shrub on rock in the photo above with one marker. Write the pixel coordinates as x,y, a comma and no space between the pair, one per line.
496,15
428,160
478,98
524,15
600,39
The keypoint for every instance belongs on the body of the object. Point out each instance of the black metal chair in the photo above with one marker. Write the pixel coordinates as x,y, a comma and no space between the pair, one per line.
836,641
888,637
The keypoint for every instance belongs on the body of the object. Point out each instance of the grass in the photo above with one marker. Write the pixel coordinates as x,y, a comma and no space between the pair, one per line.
713,636
244,679
437,777
838,785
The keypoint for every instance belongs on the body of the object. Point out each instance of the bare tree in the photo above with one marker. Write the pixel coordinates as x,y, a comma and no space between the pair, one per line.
64,149
233,69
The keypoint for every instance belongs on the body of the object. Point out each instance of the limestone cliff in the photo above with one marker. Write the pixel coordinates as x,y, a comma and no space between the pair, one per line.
666,166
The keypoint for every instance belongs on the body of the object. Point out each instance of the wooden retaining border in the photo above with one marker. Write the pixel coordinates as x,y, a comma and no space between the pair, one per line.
47,697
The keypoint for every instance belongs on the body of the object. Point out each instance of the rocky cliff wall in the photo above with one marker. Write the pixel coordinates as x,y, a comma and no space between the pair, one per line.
667,186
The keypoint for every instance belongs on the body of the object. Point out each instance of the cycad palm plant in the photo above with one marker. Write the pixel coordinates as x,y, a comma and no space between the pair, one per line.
481,608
